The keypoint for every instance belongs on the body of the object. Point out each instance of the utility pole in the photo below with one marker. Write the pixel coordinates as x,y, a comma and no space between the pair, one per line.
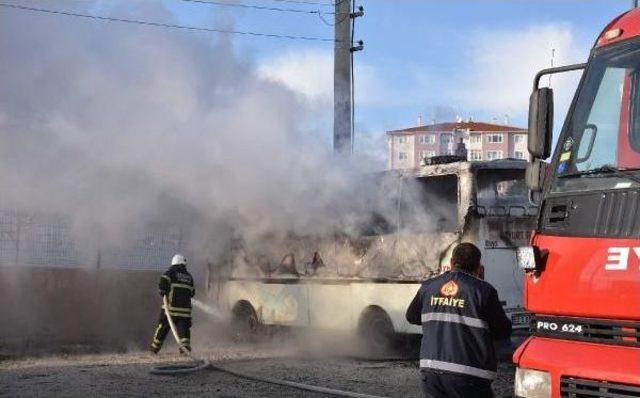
342,76
342,79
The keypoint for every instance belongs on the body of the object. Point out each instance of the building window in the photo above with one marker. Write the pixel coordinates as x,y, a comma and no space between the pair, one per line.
475,155
431,139
446,138
519,155
518,138
493,155
402,139
426,154
402,156
494,138
475,138
427,139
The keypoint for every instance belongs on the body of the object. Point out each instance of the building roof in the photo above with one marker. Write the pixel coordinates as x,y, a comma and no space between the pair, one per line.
451,126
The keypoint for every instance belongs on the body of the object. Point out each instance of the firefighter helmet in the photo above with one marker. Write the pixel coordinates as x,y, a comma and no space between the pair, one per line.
179,259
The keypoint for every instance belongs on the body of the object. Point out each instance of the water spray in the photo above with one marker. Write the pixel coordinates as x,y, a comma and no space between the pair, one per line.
214,312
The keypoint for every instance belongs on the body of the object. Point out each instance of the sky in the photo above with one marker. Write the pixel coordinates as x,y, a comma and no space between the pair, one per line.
431,58
434,59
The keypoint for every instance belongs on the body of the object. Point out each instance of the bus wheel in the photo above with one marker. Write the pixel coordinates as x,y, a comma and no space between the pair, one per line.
376,331
244,323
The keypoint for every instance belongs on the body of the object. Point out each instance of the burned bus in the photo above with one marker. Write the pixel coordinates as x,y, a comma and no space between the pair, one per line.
363,279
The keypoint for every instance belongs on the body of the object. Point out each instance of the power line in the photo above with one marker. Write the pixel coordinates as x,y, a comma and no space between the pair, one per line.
255,7
313,3
166,25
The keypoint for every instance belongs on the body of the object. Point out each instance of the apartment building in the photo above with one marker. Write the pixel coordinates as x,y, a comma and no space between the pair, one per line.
483,141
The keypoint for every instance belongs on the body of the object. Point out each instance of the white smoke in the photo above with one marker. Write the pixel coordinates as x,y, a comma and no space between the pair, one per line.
118,126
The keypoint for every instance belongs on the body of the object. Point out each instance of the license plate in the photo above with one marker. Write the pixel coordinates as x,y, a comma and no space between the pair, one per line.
520,319
559,327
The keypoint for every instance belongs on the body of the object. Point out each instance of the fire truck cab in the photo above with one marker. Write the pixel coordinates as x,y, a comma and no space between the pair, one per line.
582,282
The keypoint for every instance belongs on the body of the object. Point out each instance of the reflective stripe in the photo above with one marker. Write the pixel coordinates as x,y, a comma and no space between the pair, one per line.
455,318
179,314
155,335
457,368
179,285
170,299
166,277
178,309
182,285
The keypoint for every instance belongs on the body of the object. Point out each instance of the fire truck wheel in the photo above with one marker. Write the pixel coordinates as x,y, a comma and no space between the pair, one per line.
244,323
376,331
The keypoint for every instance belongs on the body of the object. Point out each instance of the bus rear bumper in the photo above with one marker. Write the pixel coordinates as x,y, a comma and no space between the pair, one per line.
578,365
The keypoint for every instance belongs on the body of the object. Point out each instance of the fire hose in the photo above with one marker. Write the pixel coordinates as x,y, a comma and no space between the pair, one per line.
201,364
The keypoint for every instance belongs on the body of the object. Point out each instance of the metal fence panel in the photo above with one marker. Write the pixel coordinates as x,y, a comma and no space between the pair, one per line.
35,239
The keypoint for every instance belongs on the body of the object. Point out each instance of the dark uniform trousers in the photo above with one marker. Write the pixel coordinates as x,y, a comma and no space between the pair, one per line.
183,327
437,384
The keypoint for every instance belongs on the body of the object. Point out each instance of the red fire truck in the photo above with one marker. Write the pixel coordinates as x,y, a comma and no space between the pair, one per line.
582,283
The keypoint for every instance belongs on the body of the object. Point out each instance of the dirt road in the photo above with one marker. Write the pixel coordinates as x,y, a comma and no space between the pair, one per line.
127,374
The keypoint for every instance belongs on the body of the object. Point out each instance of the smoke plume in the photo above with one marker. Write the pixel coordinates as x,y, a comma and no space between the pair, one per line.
118,126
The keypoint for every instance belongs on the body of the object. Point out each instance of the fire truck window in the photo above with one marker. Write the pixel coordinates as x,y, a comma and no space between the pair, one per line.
634,126
429,204
598,145
602,127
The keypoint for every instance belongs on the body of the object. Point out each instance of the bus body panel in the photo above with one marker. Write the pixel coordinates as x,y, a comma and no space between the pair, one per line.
612,363
586,277
322,304
334,303
498,239
329,282
331,306
275,302
393,298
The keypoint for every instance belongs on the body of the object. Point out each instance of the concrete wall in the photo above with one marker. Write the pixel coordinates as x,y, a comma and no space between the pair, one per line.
44,309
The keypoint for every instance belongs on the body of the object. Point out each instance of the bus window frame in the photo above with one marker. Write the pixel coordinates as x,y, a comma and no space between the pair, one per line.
458,224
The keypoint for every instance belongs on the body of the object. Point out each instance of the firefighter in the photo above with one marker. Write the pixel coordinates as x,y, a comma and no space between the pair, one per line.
460,315
177,284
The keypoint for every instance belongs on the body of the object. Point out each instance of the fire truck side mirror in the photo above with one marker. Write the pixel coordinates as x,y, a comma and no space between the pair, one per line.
540,122
535,174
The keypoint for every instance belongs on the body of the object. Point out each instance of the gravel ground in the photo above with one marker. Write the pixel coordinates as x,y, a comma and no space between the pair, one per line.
127,375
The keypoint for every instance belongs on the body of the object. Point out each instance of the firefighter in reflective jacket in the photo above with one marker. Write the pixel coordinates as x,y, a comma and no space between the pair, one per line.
177,284
460,316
